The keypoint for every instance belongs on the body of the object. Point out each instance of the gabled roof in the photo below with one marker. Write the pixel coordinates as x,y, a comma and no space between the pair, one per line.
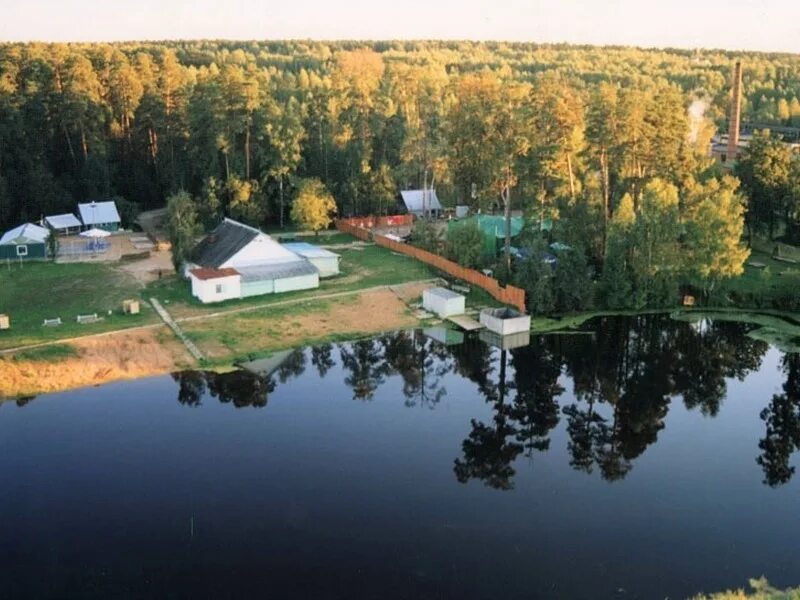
93,213
413,199
205,274
64,221
223,243
25,234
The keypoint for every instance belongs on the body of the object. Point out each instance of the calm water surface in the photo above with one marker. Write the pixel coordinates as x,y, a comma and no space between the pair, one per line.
643,459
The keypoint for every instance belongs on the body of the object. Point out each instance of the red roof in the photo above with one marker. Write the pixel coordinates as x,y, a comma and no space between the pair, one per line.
204,273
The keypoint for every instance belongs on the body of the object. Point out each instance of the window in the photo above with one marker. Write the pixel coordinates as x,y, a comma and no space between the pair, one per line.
220,288
22,251
723,158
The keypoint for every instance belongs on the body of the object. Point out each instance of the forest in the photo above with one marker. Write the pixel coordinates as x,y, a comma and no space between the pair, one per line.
610,143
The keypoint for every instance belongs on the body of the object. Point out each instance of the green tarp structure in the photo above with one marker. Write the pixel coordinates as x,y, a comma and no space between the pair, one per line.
493,228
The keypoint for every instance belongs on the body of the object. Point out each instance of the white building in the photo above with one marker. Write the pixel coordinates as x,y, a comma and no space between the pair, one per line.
327,262
421,202
100,215
238,261
65,224
443,302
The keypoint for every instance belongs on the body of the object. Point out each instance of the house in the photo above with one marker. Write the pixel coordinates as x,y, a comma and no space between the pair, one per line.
100,215
66,224
327,262
27,241
239,261
421,202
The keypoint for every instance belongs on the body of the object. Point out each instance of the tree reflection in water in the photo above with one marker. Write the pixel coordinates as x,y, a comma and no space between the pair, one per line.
625,372
782,418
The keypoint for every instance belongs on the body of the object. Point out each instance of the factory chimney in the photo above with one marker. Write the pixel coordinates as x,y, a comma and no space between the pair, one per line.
734,120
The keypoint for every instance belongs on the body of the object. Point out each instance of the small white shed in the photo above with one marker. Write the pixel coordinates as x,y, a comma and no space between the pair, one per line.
215,285
443,302
505,321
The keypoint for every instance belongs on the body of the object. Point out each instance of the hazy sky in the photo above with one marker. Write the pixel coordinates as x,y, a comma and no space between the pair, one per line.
733,24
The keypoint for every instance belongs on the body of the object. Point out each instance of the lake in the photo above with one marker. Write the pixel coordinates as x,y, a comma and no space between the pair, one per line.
639,458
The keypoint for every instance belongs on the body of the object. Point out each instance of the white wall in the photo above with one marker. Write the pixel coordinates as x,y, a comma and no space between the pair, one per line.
207,290
444,307
328,266
263,249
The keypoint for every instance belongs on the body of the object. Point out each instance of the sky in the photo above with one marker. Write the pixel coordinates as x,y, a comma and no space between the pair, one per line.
770,25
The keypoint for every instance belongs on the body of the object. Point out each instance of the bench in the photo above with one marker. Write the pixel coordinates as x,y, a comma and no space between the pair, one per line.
84,319
52,322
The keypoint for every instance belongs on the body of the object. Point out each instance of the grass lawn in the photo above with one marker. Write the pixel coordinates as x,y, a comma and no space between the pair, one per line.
42,290
775,278
361,268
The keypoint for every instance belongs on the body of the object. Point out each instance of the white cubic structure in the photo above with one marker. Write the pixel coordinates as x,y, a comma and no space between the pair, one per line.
215,285
327,262
443,302
505,321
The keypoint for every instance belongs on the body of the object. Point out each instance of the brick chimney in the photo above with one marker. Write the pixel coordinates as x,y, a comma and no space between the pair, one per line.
734,120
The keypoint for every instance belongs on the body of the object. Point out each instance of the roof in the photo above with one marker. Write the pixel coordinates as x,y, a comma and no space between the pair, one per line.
63,221
93,213
307,250
413,199
224,242
443,293
281,270
25,234
206,274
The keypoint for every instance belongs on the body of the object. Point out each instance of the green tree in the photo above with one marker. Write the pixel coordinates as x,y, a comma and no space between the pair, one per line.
314,207
465,245
764,168
426,235
714,223
182,227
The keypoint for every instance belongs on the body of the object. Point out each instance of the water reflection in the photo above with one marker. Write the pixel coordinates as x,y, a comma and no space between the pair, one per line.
782,418
624,372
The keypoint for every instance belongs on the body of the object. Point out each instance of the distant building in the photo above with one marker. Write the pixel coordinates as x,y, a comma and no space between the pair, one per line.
66,224
421,202
25,242
100,215
239,261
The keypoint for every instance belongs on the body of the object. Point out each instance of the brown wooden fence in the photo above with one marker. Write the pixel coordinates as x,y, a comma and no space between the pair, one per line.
507,295
379,222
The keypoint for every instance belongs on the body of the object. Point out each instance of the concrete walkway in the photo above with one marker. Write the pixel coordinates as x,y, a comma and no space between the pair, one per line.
165,316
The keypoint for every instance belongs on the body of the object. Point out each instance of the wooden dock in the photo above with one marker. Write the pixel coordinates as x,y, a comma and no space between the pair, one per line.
466,323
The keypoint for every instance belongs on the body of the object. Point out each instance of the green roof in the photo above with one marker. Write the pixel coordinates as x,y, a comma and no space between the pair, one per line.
494,225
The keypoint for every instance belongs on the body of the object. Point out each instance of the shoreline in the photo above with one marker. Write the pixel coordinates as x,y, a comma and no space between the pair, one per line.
229,337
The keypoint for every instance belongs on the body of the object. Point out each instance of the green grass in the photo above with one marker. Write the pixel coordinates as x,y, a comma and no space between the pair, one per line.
36,291
53,352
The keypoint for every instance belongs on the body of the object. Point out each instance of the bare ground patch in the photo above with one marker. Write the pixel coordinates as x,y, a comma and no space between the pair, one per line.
125,355
243,333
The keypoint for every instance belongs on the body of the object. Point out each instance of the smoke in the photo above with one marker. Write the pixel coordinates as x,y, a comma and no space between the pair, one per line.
697,111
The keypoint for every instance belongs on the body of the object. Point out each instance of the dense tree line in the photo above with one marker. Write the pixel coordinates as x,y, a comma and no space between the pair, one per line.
233,123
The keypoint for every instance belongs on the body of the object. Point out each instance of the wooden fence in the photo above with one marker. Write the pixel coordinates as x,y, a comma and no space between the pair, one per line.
509,294
379,222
